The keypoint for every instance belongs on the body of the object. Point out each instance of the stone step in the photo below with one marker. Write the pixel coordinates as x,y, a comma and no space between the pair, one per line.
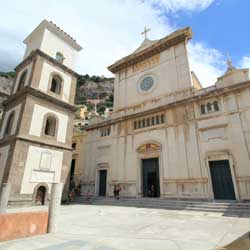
237,207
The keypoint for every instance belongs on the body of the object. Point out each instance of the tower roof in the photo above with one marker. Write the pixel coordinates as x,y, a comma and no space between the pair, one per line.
55,29
149,48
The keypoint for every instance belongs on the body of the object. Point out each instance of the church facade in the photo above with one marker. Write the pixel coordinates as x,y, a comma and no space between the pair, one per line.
169,137
36,129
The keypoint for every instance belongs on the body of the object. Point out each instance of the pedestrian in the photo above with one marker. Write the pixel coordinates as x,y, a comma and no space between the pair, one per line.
88,195
118,191
115,191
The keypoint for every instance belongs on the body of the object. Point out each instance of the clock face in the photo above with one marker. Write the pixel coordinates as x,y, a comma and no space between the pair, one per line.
147,83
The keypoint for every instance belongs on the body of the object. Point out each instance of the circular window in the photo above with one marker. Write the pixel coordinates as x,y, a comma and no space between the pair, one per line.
147,83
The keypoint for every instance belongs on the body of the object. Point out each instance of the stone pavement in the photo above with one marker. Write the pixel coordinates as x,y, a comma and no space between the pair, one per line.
88,227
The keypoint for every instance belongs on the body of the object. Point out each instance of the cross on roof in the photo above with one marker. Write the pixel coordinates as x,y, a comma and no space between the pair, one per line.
146,30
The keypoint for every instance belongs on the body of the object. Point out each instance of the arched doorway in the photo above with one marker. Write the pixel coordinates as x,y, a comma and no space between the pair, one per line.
40,195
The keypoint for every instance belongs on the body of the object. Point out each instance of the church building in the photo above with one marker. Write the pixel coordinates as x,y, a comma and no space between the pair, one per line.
168,137
37,124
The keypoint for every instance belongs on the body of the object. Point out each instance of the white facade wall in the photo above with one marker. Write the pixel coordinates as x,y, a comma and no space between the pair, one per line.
187,145
42,165
51,44
171,74
17,110
39,112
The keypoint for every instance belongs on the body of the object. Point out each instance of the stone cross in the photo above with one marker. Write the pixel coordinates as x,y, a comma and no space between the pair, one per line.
146,30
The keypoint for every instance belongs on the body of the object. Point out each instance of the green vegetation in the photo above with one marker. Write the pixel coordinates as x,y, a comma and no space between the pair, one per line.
96,86
10,74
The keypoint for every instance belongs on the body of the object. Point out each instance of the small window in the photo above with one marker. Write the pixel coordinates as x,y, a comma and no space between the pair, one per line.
59,57
153,121
56,84
203,109
74,146
9,124
157,119
139,124
209,107
135,124
50,126
148,122
22,80
162,118
143,123
216,106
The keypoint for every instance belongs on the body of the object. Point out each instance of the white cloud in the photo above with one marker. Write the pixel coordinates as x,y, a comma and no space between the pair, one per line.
107,30
207,63
183,5
245,62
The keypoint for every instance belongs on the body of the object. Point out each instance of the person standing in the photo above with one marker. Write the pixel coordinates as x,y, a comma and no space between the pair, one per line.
115,191
118,191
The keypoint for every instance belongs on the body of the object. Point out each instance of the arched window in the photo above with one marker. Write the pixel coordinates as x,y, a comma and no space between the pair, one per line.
203,109
59,57
216,106
22,80
56,84
9,124
209,107
50,126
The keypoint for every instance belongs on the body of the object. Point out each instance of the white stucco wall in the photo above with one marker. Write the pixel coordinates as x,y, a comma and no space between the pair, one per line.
51,44
16,109
187,144
35,172
44,83
35,44
28,68
171,74
3,158
37,122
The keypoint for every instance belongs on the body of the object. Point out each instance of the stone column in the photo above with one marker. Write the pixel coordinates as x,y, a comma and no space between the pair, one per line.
54,206
4,196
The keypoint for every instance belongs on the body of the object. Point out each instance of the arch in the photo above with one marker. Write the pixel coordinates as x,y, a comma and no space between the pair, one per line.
40,194
59,57
209,107
22,80
50,125
9,123
216,106
56,84
203,109
150,146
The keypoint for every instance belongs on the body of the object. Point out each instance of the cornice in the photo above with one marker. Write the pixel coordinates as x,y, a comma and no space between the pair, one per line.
27,90
37,52
192,98
174,38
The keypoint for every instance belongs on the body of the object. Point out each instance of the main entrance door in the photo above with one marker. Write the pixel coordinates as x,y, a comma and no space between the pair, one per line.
222,180
150,177
102,182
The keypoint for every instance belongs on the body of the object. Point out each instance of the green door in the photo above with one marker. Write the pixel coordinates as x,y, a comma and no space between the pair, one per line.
222,181
150,177
102,182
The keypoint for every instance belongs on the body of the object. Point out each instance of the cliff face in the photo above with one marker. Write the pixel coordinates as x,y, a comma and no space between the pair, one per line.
5,85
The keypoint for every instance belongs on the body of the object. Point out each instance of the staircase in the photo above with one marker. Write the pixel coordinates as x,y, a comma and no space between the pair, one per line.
228,208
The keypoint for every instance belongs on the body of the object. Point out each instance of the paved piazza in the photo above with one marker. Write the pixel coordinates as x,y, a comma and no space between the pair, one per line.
88,227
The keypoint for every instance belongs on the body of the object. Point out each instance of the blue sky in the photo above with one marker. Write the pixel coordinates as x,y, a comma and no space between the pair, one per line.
110,29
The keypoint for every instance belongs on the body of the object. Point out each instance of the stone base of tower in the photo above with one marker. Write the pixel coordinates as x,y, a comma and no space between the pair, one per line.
32,169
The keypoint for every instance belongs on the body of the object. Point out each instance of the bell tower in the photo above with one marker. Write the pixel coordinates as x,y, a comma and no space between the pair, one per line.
36,130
